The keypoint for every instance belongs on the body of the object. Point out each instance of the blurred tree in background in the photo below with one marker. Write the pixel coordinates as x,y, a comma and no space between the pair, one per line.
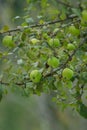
9,9
39,112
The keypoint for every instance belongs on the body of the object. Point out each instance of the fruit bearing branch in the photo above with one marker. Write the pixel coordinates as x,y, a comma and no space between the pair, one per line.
19,28
23,83
83,40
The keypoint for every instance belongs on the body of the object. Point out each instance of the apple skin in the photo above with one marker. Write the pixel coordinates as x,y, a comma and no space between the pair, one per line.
34,41
7,41
84,15
67,73
54,42
73,30
35,76
53,62
70,47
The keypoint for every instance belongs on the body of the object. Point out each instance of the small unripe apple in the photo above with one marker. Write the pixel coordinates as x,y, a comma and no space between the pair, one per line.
67,73
53,62
54,42
8,41
35,76
84,15
73,30
70,47
34,41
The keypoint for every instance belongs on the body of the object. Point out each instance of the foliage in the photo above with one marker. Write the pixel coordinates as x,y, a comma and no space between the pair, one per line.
52,38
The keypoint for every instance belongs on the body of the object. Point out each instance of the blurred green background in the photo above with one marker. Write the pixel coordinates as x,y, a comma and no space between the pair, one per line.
35,112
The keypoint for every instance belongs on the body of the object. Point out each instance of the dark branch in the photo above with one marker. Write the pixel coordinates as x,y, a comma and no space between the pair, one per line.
7,83
19,28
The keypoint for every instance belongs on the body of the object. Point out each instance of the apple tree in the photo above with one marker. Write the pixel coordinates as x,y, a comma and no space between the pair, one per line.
47,53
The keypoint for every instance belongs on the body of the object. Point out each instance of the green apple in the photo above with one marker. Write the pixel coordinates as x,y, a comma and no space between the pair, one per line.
35,76
84,15
54,42
34,41
73,30
67,73
8,41
53,62
70,47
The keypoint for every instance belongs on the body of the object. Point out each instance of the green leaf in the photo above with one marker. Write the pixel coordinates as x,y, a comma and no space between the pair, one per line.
82,109
1,92
23,36
1,54
5,28
76,11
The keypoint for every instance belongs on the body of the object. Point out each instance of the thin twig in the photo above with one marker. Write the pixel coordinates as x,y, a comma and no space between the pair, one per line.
16,83
64,26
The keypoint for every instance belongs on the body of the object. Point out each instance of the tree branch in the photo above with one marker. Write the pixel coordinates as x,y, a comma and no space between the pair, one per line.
16,83
65,4
19,28
83,40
